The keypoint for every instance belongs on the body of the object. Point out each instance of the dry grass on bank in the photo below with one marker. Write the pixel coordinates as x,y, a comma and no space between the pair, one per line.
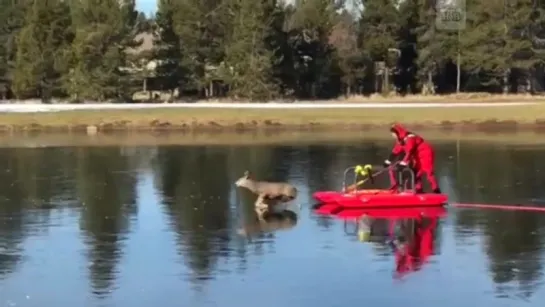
38,139
225,119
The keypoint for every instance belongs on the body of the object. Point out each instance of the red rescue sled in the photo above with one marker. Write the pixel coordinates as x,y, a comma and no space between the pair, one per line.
334,202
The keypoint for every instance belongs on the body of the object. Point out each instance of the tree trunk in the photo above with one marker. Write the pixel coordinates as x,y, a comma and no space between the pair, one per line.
458,66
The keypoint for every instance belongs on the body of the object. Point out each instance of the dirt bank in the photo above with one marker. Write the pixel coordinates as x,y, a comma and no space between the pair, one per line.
498,118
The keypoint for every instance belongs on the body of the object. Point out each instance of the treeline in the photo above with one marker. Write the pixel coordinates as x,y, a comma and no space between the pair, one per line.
266,49
68,48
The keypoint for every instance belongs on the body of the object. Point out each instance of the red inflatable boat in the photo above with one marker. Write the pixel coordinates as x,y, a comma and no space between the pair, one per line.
333,202
383,212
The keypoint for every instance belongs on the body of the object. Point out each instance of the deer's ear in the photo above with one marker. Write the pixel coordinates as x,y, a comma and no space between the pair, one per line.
247,174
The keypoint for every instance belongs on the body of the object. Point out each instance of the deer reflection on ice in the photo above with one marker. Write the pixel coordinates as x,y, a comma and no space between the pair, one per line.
271,222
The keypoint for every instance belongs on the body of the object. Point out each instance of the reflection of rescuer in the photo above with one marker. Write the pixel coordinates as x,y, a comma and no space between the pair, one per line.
418,244
417,154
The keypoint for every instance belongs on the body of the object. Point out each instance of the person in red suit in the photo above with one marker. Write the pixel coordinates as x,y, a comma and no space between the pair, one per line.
416,153
418,247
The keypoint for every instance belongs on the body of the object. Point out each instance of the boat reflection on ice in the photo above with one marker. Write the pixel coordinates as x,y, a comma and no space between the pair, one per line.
412,234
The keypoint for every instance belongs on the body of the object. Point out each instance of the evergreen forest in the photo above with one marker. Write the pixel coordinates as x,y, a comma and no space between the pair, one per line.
260,50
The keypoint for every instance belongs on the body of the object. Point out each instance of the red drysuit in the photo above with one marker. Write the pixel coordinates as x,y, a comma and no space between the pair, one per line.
417,153
420,246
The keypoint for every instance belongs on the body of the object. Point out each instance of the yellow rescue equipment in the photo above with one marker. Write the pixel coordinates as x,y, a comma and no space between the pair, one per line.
364,171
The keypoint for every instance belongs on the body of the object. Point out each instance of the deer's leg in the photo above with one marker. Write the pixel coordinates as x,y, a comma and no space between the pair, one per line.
261,206
260,212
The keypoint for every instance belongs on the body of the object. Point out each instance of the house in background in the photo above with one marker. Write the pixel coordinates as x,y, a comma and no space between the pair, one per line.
143,68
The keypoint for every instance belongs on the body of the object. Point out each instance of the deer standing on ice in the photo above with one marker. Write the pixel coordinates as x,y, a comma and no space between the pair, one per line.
269,194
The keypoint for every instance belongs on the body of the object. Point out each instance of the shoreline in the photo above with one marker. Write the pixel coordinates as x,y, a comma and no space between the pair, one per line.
453,98
44,108
271,117
172,138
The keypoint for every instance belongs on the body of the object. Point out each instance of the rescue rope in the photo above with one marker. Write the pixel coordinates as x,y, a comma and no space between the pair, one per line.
500,207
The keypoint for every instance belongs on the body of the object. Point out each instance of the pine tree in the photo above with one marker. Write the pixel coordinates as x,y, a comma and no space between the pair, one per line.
380,24
201,26
351,59
276,39
42,45
249,62
379,29
406,72
436,47
167,51
12,14
484,42
500,40
100,66
315,67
